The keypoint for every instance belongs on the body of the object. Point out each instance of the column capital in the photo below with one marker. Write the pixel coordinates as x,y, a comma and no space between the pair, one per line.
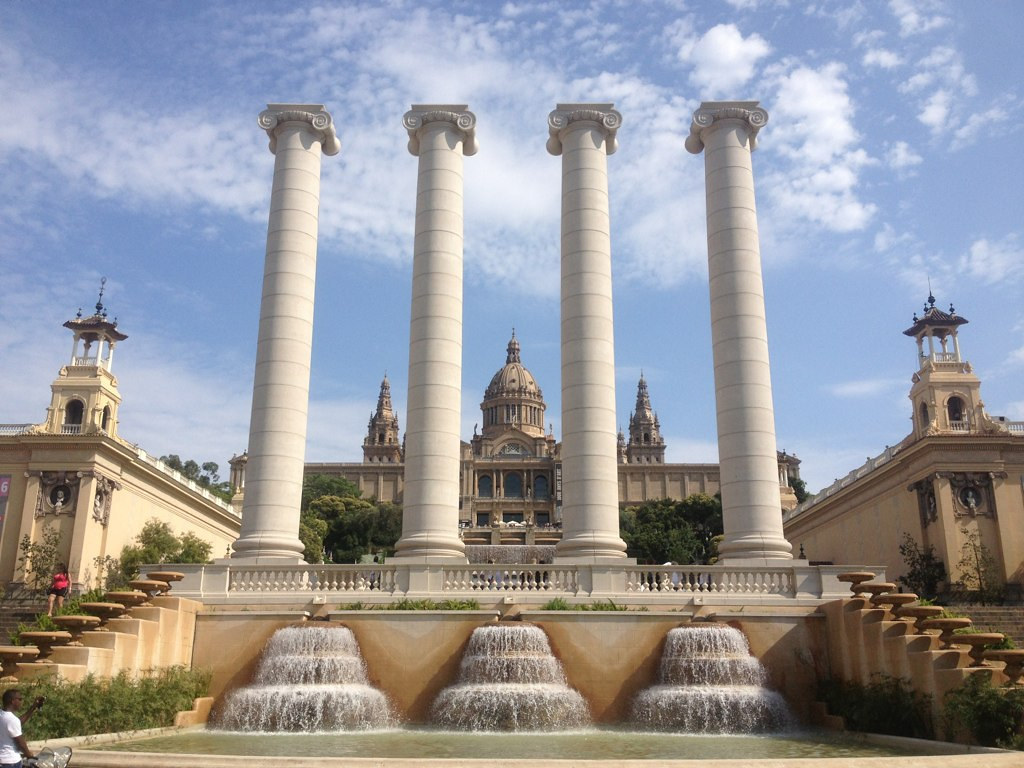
711,112
462,121
320,122
564,116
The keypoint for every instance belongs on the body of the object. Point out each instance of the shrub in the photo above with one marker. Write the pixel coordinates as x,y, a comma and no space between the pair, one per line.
992,716
924,569
886,705
105,706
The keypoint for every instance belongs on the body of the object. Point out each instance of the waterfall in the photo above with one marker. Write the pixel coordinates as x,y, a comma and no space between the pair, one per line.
309,679
709,683
509,681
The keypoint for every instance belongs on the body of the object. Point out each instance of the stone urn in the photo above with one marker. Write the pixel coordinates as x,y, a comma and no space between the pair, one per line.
168,577
12,655
946,628
854,579
105,612
76,625
152,587
977,641
129,599
876,588
45,641
1012,658
919,613
893,600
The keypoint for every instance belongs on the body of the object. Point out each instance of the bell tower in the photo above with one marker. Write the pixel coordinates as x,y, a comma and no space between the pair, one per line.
646,445
946,393
382,444
85,397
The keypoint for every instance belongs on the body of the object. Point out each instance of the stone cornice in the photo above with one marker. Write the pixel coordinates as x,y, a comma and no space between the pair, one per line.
711,112
564,116
319,120
458,115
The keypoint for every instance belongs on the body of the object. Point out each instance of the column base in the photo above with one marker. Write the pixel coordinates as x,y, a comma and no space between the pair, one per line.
755,549
262,548
590,547
429,547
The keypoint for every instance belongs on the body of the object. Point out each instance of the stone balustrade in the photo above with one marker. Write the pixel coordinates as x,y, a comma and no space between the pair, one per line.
225,582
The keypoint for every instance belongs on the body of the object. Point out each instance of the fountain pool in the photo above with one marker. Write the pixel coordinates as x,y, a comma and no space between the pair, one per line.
602,744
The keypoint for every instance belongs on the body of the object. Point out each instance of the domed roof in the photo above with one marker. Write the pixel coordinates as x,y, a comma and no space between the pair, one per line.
513,378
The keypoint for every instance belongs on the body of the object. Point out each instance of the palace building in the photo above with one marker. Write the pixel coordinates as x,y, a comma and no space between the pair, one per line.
511,472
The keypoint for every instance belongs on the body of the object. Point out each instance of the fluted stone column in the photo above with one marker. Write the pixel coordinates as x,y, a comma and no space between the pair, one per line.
584,135
439,134
752,509
298,133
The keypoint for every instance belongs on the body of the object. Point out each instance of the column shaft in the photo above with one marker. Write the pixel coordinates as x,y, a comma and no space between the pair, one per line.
749,466
280,398
439,135
584,135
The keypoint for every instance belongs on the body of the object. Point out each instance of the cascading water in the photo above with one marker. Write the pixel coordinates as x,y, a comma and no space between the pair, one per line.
309,679
509,681
709,683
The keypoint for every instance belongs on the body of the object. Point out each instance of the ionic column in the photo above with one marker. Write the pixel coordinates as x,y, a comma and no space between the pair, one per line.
439,134
584,134
752,509
299,133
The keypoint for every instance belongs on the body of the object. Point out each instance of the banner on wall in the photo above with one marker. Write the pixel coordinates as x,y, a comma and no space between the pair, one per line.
5,488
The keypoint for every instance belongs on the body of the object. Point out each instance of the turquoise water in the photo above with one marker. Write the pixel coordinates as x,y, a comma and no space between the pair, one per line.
592,744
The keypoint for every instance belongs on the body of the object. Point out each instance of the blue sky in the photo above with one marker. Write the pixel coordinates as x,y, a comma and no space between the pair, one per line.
130,149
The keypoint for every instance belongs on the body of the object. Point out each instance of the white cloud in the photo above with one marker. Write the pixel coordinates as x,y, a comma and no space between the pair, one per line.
968,132
723,60
865,387
882,58
916,17
814,132
944,89
899,156
994,262
886,239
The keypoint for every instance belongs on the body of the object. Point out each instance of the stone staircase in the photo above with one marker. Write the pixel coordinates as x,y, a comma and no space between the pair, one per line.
15,612
1008,619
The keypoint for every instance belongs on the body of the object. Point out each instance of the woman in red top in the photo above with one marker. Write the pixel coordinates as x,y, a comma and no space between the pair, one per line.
59,588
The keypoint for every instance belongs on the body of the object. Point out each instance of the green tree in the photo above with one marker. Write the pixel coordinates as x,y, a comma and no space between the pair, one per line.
924,569
799,489
205,475
335,520
157,543
39,559
673,531
979,571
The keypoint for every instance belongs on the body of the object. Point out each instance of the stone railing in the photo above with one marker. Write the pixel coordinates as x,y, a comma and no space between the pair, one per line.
312,579
227,582
190,484
711,580
11,430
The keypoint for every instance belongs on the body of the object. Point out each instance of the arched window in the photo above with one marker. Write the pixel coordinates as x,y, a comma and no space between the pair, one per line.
647,437
513,485
485,486
923,416
955,411
73,412
540,487
106,418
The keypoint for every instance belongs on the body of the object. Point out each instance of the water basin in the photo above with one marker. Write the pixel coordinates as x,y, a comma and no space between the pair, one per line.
589,744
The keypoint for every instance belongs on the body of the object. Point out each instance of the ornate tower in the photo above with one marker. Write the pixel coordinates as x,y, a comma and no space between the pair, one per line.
383,444
946,393
646,445
85,395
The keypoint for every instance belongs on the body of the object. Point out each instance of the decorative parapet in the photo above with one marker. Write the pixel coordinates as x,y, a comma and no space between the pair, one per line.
457,115
712,112
564,116
319,120
227,582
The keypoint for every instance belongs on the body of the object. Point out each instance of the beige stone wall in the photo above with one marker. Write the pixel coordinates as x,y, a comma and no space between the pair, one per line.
145,493
865,521
607,657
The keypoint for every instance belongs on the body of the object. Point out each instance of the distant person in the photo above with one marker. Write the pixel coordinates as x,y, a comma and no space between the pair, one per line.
59,588
12,744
